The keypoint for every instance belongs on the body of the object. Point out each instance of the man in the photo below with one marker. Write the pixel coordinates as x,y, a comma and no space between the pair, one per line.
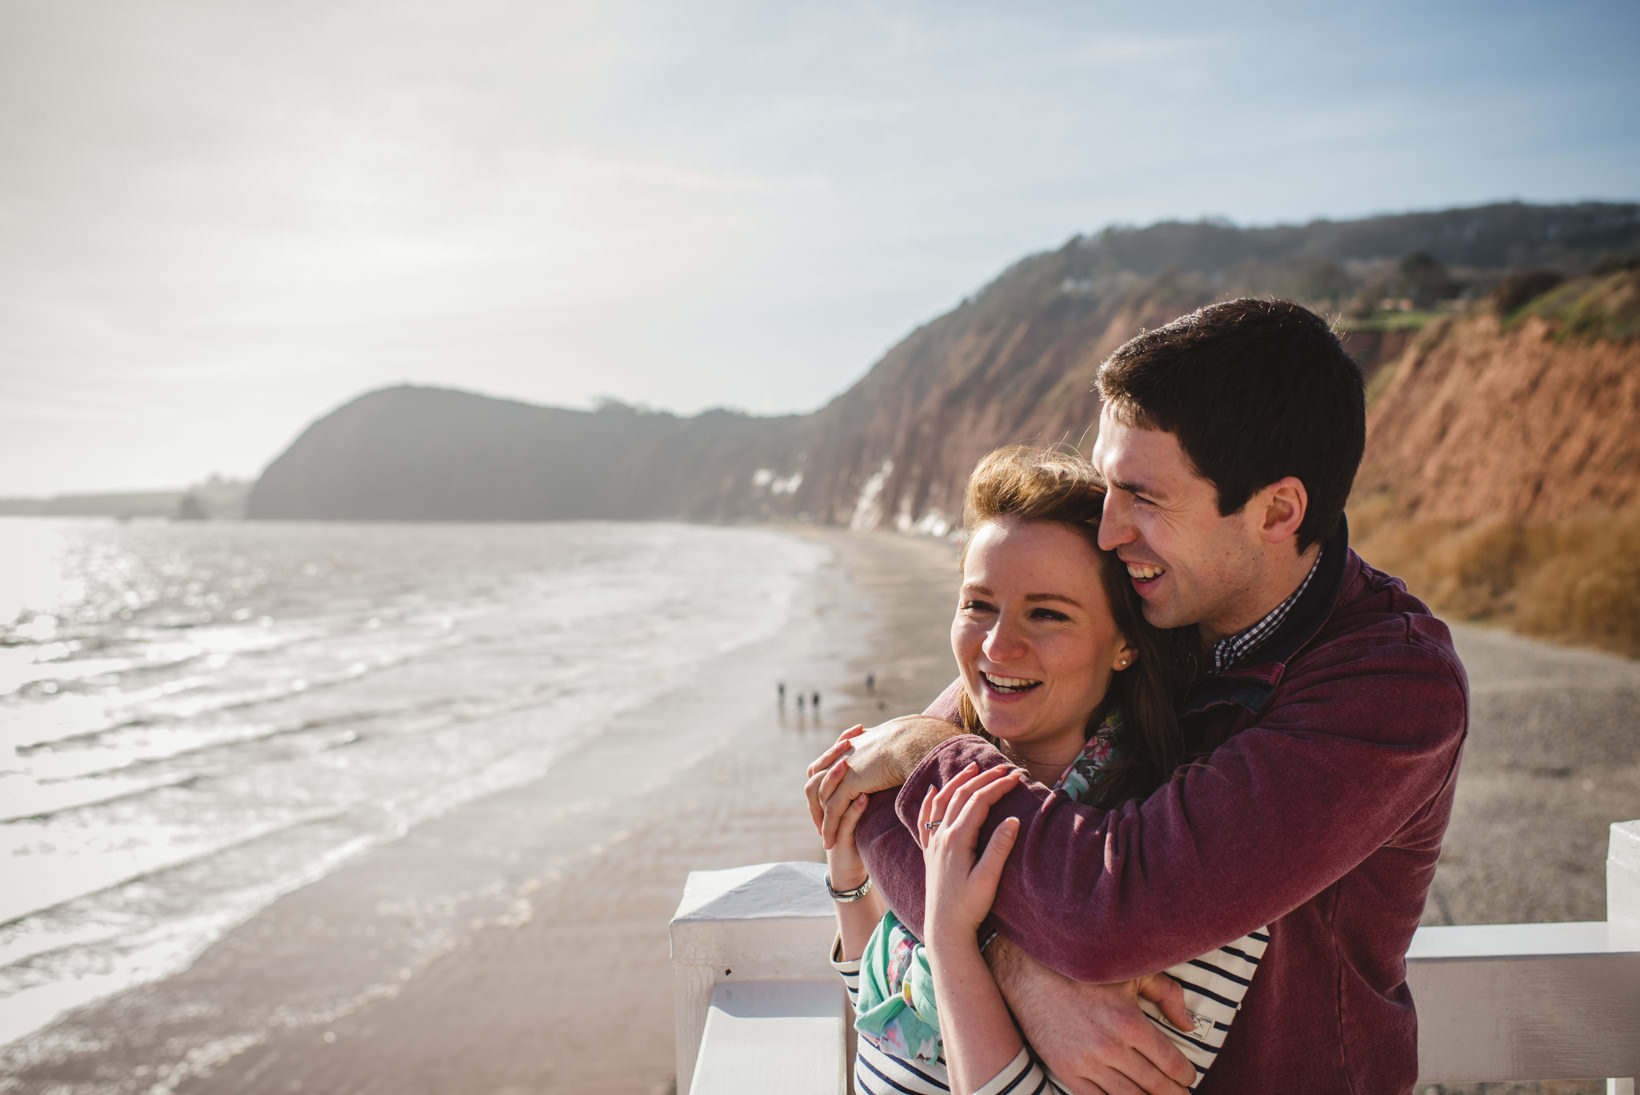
1327,722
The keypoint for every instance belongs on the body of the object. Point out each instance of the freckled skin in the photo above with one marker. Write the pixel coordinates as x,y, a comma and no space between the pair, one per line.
1160,512
1032,606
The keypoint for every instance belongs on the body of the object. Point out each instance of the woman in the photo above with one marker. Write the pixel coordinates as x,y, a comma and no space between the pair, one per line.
1061,671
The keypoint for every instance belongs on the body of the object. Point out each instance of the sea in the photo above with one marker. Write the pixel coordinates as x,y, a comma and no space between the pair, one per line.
197,718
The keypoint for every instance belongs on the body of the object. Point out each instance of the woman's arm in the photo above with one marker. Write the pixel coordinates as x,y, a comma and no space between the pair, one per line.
862,907
857,916
978,1031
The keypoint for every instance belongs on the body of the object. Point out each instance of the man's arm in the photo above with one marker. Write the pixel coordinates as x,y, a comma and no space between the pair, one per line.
1265,822
1095,1034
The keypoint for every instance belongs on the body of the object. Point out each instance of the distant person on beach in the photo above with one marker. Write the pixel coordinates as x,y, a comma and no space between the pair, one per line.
814,701
1324,730
1062,673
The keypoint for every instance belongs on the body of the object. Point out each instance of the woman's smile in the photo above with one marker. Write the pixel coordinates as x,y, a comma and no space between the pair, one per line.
1008,686
1034,637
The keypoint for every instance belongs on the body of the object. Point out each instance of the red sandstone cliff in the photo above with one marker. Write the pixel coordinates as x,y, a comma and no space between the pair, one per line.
1533,420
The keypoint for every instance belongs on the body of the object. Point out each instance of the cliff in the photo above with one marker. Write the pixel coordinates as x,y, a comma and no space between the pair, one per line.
1522,416
1013,363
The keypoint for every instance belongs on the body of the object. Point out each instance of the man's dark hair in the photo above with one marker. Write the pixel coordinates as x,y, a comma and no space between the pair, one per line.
1254,390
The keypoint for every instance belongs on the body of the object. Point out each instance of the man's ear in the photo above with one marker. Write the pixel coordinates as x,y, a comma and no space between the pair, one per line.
1282,506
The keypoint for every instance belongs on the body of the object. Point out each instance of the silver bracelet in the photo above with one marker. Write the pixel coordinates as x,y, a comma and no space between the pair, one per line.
848,895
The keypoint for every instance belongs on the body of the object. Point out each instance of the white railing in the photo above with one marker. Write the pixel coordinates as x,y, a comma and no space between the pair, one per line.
756,1003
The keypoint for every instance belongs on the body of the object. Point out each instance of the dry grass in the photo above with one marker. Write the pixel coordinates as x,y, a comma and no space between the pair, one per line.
1575,581
1605,307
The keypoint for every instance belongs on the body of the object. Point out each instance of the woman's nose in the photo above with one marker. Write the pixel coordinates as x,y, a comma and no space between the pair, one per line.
1003,641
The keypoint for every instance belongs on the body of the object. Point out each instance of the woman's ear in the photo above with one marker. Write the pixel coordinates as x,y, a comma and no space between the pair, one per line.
1125,657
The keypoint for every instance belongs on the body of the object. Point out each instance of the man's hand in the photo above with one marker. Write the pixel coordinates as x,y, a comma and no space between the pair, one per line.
873,760
1094,1037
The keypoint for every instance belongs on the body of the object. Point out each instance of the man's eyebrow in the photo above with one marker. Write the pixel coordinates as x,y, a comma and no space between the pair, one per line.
1130,487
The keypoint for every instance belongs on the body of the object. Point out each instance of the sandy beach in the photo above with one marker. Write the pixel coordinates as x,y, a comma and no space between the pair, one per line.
563,986
1553,758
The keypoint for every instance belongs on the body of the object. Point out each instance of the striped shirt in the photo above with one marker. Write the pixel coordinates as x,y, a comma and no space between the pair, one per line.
1213,987
877,1072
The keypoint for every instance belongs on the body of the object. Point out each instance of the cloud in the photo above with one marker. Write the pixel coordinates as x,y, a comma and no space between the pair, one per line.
593,169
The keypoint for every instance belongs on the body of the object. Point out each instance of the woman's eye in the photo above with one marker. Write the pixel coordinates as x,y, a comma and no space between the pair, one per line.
976,606
1049,614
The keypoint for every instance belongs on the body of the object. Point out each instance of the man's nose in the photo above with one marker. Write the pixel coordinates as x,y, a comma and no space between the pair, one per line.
1115,522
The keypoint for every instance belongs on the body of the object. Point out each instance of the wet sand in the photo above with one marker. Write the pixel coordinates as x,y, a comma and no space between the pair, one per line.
560,983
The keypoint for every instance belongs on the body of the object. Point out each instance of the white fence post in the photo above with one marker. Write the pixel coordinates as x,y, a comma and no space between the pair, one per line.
747,942
1623,909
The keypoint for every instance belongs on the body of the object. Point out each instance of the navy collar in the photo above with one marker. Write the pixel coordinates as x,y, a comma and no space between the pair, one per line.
1249,683
1228,652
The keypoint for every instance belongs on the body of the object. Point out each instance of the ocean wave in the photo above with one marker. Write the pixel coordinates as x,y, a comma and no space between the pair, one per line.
183,744
197,701
42,883
83,950
26,799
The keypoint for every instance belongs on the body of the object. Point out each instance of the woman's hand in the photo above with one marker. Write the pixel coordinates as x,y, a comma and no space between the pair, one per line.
980,1037
866,761
825,775
961,885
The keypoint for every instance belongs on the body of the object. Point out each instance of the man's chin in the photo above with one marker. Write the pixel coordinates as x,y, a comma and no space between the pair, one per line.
1161,614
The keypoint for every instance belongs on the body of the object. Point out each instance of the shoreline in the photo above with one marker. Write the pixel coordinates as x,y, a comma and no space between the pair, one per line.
546,967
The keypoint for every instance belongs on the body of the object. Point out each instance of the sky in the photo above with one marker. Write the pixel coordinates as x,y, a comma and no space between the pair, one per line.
220,220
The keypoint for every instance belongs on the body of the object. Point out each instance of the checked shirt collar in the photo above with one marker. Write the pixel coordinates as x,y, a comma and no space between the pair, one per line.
1234,648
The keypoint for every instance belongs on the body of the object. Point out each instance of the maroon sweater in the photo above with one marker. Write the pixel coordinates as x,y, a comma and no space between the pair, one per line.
1318,809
